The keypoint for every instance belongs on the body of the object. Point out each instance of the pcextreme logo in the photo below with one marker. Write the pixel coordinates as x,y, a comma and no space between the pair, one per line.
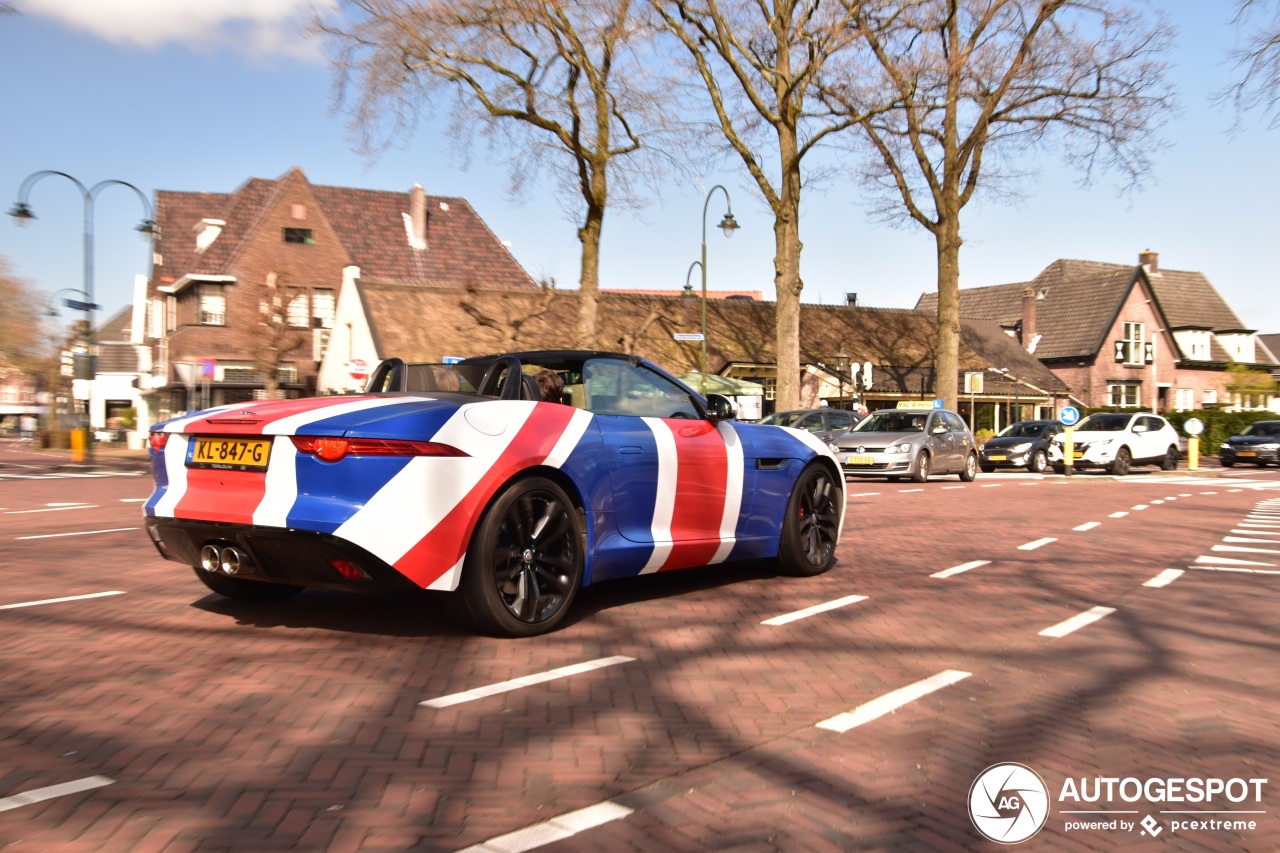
1008,803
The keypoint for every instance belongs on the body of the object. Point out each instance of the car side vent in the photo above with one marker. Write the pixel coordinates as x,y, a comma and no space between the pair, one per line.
770,464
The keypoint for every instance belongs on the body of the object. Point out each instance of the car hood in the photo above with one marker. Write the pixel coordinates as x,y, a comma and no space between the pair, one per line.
1252,440
853,439
1010,441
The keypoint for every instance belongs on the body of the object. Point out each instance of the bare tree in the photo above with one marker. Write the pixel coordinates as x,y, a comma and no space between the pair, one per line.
283,311
980,83
1258,59
22,339
549,83
757,62
513,313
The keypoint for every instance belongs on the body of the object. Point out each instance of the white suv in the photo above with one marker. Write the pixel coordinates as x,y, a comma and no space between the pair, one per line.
1118,440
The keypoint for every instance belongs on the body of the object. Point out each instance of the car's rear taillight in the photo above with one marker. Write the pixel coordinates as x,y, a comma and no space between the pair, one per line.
158,440
333,449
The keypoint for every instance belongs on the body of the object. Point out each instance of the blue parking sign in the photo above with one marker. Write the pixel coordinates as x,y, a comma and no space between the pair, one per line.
1069,415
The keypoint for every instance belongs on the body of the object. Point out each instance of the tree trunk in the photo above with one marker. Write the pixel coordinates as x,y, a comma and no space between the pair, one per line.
786,274
947,356
589,286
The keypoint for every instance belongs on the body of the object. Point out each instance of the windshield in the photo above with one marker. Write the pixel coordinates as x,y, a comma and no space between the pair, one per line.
892,421
1026,429
1104,423
1263,428
784,418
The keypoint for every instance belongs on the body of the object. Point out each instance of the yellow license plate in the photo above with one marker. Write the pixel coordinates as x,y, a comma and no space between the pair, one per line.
232,454
1078,454
995,458
1246,453
859,460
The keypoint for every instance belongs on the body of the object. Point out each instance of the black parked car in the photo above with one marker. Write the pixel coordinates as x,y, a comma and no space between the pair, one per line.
1258,443
1021,445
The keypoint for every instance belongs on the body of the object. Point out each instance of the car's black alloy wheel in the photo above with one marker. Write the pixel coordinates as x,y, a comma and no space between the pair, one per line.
1120,465
525,562
808,541
1170,461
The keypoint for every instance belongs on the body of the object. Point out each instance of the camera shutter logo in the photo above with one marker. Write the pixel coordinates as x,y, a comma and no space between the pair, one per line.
1008,803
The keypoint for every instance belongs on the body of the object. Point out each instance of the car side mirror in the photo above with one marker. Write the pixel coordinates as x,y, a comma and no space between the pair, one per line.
720,408
939,429
1140,428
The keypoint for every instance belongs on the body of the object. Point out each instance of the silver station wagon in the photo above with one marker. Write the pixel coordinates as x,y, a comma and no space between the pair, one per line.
915,443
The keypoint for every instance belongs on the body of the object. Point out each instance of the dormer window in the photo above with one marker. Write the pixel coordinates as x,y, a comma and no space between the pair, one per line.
207,230
304,236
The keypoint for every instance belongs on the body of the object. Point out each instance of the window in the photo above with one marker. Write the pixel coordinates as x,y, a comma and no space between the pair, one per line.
1124,395
617,387
1134,334
1184,399
841,419
213,305
1210,396
302,236
296,313
322,308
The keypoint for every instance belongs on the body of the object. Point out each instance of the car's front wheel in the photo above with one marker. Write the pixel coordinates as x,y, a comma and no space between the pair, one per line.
1039,461
1120,465
1170,461
970,470
524,565
808,543
922,468
243,589
1227,463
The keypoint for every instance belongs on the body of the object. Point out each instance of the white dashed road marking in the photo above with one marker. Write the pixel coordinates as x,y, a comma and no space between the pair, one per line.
963,567
817,608
524,681
556,829
877,708
1088,525
1075,623
1121,514
1165,578
60,600
49,509
39,795
78,533
1039,543
1140,506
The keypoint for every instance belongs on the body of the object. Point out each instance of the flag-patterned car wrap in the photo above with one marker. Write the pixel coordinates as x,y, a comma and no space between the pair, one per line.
657,493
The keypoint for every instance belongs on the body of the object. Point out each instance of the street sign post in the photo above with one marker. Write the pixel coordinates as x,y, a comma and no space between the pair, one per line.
1069,416
688,336
1193,427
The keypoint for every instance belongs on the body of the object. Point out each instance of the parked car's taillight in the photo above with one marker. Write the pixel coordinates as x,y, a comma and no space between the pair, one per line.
333,449
158,440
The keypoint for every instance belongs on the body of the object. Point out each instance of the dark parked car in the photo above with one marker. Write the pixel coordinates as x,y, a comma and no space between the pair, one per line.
915,443
826,424
1021,445
1258,443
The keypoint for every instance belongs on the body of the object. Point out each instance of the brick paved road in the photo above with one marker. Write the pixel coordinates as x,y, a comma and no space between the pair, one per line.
299,727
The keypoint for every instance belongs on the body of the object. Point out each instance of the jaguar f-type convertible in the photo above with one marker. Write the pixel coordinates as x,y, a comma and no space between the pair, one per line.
465,478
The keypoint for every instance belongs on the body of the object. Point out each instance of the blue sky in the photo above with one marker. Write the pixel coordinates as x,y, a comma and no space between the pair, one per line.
152,95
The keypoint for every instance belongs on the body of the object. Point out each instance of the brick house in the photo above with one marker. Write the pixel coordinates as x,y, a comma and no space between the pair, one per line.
243,291
1125,336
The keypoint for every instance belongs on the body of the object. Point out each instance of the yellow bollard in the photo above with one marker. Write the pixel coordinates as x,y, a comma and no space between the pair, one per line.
1193,453
78,441
1068,450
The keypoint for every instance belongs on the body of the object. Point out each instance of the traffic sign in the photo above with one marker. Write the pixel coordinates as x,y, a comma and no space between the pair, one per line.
688,336
451,359
937,402
1193,426
358,369
1069,415
208,367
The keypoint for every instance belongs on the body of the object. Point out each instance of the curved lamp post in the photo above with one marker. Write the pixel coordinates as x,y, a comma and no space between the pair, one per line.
22,214
728,225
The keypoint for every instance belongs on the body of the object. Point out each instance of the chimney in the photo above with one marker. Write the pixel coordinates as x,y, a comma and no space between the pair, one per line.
1029,318
851,300
416,220
1150,260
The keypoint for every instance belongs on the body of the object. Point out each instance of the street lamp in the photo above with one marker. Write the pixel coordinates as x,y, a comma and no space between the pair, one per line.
728,225
22,214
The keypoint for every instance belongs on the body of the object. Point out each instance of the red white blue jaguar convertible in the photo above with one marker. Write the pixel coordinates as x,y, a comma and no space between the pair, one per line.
461,478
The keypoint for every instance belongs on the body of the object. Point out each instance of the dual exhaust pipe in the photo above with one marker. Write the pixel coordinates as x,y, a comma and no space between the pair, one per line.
223,558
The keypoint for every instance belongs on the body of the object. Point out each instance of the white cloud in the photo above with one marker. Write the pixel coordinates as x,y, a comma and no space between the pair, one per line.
257,27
